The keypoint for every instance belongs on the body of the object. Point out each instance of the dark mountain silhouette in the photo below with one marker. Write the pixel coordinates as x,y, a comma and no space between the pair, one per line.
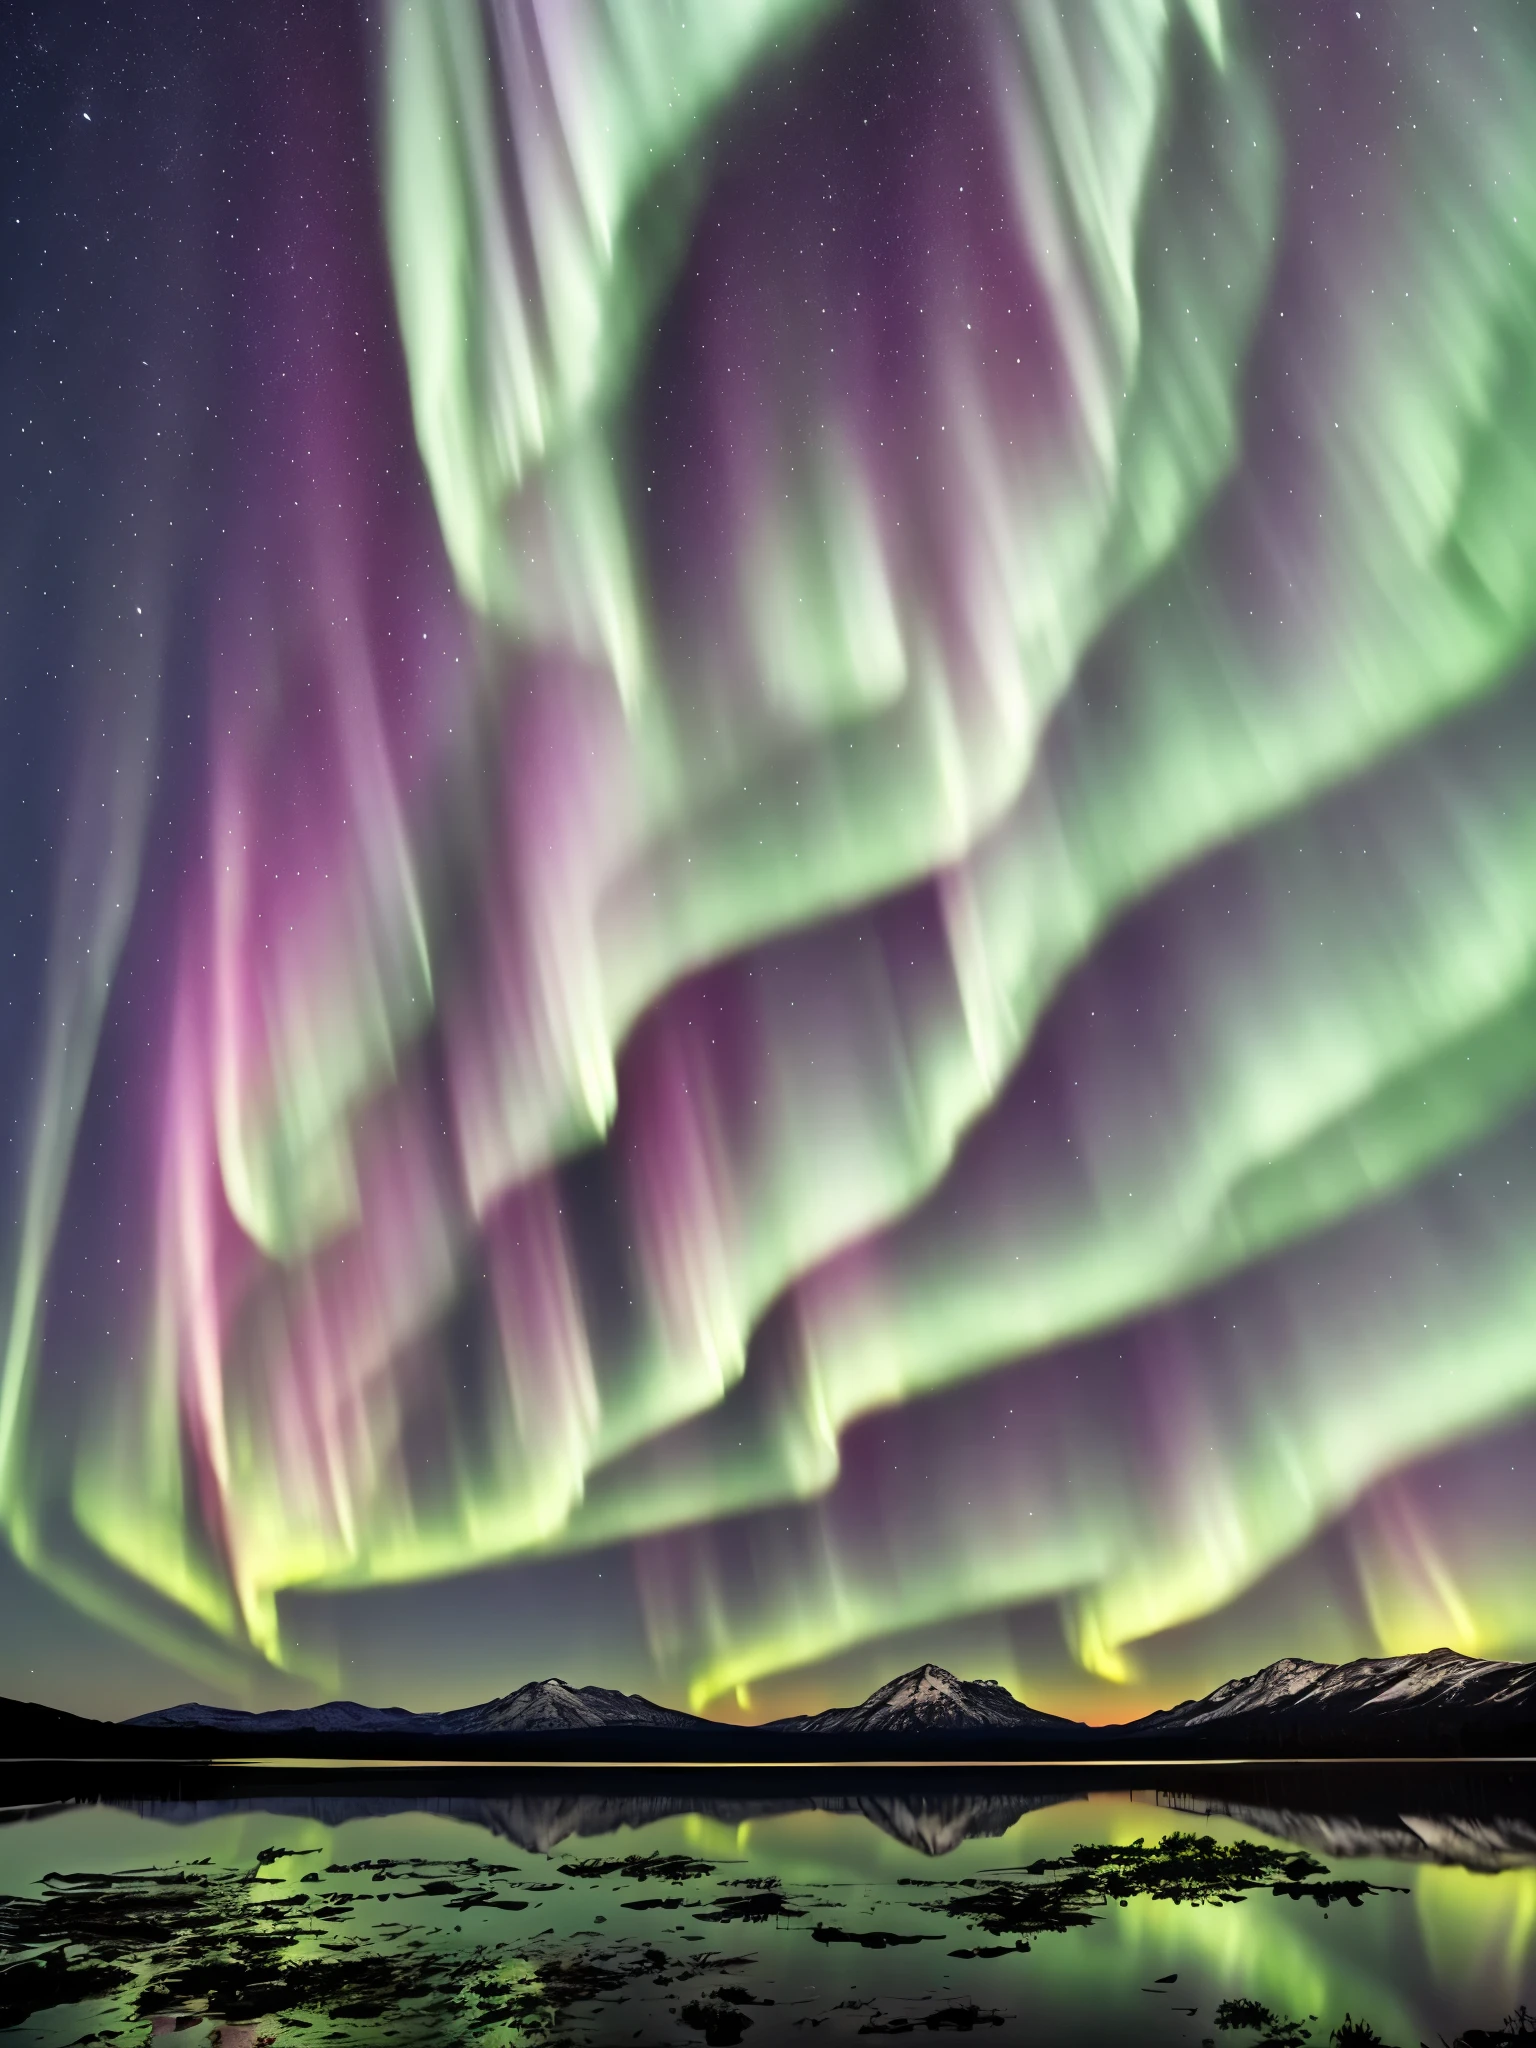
27,1729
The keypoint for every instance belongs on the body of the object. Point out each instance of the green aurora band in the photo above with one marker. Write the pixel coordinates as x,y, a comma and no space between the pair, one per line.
923,1000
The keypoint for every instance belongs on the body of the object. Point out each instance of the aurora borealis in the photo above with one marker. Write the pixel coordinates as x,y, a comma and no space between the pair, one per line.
773,875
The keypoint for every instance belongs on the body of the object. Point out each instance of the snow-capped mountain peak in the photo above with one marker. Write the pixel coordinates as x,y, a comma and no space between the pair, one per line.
1259,1692
930,1698
548,1705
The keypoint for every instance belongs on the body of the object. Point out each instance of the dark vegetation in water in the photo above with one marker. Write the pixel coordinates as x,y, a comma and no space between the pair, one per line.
1519,2026
291,1943
1248,2016
719,2019
949,2019
1050,1896
198,1941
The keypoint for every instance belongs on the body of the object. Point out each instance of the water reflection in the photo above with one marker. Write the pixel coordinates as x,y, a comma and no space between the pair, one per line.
1217,1909
1481,1842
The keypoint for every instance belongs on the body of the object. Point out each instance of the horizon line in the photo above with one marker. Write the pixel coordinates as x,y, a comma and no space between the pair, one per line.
874,1763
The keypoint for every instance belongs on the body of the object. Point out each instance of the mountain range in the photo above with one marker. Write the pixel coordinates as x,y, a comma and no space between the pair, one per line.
1437,1703
1390,1700
546,1706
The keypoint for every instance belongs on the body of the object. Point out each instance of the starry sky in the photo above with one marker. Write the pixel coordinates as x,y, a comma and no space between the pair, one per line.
767,842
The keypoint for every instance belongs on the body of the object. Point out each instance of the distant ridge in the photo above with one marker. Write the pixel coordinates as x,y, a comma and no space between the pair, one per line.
544,1706
1434,1704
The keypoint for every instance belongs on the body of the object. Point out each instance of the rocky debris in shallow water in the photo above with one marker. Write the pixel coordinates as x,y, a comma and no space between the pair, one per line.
765,1903
721,2025
873,1939
949,2019
653,1869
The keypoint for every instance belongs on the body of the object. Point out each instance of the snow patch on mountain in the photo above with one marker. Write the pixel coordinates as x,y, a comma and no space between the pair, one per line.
1259,1692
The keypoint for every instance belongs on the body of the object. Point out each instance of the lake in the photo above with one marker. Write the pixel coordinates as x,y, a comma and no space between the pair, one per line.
516,1907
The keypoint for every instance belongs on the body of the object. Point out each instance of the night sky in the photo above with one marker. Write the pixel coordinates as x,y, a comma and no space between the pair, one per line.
769,866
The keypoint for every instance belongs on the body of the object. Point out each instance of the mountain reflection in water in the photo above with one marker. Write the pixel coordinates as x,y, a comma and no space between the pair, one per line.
933,1825
1216,1909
